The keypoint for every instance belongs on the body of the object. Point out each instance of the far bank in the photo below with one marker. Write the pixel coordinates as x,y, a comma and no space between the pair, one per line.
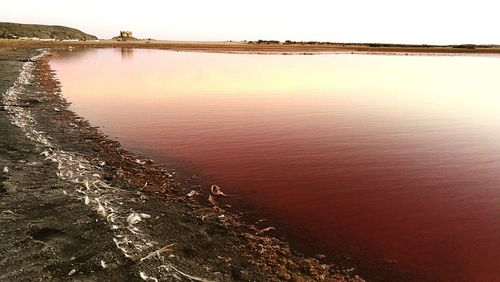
258,46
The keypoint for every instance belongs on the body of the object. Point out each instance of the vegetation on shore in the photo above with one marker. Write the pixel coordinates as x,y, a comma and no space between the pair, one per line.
17,31
389,45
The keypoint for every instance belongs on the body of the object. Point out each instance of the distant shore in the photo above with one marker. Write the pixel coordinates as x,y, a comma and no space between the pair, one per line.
245,47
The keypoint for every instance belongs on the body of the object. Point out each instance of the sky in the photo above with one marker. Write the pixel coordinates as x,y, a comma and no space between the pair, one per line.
382,21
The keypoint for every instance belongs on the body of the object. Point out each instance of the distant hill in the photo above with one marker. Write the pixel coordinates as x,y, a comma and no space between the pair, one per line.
16,30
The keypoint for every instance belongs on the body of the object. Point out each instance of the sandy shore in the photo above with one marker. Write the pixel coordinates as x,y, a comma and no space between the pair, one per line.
75,205
239,47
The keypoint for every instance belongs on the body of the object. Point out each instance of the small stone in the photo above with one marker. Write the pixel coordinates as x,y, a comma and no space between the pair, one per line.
284,275
299,279
313,271
320,256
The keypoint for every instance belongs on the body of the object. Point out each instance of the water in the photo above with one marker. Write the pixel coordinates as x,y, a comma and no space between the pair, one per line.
390,159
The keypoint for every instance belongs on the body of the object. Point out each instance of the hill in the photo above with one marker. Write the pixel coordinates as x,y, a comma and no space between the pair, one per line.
16,30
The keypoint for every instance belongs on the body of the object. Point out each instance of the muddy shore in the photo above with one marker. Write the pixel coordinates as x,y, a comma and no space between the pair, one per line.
75,205
241,47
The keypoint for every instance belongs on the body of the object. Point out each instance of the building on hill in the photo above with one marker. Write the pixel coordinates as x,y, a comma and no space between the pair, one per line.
124,35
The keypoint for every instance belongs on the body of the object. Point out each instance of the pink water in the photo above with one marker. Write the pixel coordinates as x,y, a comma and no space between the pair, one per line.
390,159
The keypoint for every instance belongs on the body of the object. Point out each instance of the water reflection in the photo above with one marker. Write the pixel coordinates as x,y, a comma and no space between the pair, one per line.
382,157
127,53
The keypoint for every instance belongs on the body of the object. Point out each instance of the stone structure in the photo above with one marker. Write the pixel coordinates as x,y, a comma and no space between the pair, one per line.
125,34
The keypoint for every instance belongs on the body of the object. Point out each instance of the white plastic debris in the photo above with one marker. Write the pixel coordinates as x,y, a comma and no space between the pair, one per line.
145,215
265,229
111,217
72,272
158,252
187,275
133,218
103,264
145,277
86,182
5,169
217,191
100,209
212,201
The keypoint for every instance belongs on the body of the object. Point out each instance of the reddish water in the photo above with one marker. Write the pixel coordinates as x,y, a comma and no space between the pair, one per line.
386,158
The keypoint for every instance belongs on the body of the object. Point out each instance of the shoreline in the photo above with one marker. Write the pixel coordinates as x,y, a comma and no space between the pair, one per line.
239,47
138,220
242,251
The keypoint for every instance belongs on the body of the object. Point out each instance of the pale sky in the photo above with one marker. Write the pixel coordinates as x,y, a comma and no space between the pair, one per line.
387,21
